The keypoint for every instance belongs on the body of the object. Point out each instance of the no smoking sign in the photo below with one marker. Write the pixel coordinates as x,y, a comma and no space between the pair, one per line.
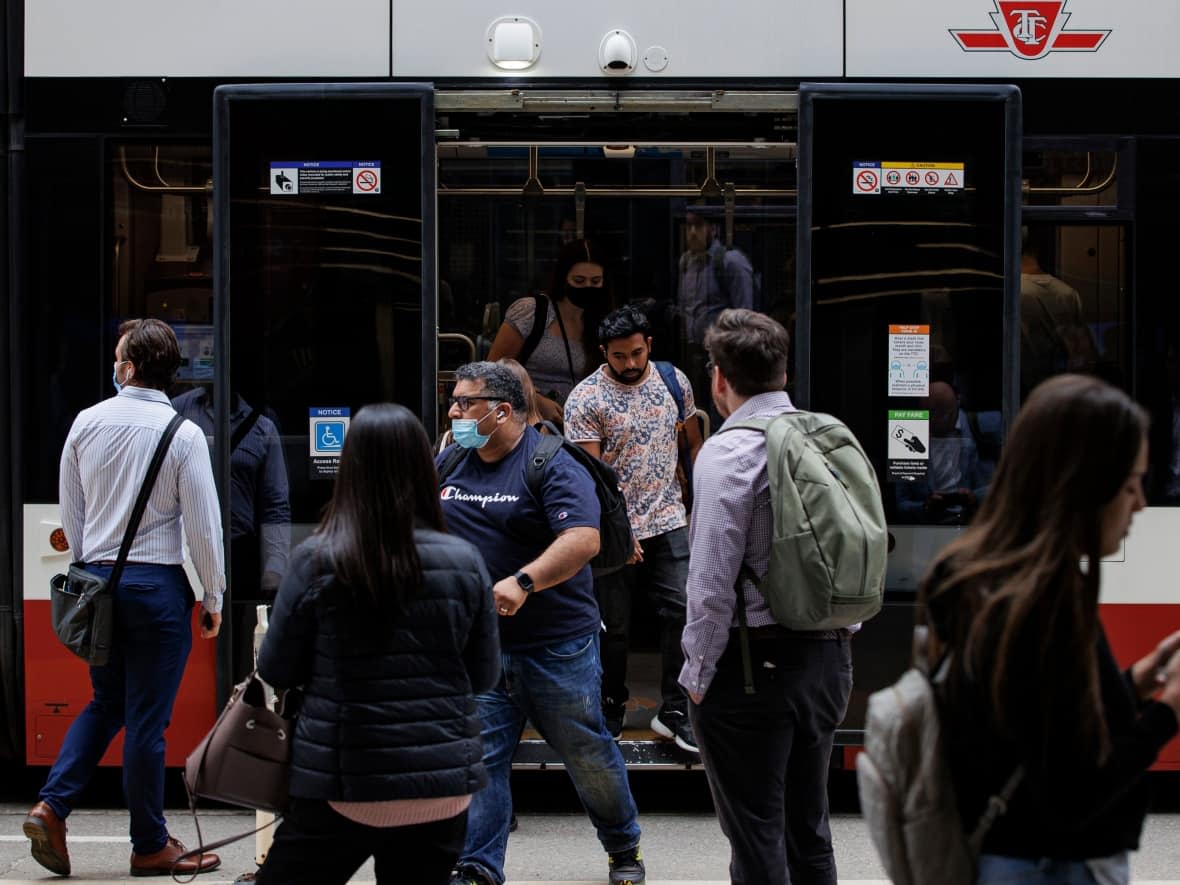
866,178
366,180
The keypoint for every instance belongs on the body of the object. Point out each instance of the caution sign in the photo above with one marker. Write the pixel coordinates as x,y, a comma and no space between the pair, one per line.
908,452
325,177
902,177
327,427
866,177
909,360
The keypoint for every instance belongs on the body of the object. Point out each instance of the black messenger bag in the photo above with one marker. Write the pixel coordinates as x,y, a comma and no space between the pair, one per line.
82,604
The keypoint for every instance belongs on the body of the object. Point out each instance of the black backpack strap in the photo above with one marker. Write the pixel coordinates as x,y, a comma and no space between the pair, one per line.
534,337
549,445
243,430
145,492
451,461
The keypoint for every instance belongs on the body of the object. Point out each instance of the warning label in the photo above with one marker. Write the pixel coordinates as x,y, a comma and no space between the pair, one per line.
325,177
918,178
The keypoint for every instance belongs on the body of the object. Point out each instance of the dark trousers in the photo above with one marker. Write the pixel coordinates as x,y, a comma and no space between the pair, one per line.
662,575
136,689
318,846
767,755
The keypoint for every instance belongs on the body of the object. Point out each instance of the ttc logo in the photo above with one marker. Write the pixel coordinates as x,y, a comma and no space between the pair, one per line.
1030,30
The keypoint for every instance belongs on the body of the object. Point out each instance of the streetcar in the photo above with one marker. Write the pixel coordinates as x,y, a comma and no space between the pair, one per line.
336,206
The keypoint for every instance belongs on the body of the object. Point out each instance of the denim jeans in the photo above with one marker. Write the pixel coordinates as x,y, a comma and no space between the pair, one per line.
136,689
767,755
997,868
556,688
662,574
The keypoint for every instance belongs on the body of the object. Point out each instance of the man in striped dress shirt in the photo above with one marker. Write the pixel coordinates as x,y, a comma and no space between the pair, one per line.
103,465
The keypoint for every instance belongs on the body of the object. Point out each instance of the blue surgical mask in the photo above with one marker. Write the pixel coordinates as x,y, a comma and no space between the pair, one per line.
115,376
465,432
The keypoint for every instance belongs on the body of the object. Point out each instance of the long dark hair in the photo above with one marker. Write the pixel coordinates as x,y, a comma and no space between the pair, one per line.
386,485
1022,596
576,252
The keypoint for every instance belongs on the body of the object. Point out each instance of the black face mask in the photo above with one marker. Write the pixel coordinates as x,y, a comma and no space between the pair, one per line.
582,296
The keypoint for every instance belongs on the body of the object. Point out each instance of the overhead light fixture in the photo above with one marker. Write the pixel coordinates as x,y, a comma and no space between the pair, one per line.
514,42
617,53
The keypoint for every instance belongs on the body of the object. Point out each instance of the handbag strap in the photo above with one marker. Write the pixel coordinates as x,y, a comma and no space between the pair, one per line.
145,492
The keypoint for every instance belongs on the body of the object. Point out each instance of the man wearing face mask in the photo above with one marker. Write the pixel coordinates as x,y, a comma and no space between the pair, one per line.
537,550
627,414
103,464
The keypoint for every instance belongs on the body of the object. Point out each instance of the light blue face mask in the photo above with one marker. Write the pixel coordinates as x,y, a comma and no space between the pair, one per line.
465,432
115,376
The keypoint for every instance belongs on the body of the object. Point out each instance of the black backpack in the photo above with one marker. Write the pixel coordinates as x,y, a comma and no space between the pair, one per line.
614,527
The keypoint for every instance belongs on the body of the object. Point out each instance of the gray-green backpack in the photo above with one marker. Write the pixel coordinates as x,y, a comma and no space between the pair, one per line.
829,544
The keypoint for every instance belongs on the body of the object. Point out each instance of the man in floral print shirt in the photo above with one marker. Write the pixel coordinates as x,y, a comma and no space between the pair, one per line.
625,414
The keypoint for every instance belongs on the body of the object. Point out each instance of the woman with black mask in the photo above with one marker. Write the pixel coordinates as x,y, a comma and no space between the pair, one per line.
554,336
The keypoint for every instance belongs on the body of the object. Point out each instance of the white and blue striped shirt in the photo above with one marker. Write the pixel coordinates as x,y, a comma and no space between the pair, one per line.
103,465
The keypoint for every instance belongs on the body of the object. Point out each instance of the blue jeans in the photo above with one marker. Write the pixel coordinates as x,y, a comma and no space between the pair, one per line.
662,574
556,688
136,690
997,868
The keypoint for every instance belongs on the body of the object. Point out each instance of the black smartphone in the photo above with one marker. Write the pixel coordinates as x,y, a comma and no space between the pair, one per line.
207,620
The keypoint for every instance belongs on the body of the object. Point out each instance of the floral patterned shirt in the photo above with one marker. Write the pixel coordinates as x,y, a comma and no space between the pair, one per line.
636,426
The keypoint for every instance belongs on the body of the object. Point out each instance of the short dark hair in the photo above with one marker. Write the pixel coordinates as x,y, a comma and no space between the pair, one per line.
750,349
152,347
623,323
498,381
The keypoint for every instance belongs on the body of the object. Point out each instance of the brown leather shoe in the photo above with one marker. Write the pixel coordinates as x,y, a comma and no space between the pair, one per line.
160,863
47,832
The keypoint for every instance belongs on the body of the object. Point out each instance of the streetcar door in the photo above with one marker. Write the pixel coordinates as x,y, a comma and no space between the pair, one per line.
324,281
908,326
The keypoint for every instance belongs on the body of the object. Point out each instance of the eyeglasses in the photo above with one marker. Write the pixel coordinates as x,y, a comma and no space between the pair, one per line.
464,402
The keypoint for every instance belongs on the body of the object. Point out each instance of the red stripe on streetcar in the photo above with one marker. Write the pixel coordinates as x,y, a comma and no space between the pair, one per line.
1079,40
981,39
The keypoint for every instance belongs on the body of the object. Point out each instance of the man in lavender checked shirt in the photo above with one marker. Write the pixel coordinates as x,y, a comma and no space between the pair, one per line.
103,465
766,753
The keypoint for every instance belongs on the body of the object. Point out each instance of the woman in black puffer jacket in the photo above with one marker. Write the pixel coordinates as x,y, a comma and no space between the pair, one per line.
386,624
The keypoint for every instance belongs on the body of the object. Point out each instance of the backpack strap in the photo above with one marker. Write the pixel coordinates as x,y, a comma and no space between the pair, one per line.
668,374
450,462
540,314
243,430
548,446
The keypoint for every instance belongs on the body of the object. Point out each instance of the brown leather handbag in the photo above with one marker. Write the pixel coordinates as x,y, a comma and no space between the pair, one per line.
245,758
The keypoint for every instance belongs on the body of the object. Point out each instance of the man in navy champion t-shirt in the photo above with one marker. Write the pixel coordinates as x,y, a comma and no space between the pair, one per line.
537,551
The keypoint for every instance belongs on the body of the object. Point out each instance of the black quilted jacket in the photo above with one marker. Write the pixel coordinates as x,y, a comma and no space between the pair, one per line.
388,712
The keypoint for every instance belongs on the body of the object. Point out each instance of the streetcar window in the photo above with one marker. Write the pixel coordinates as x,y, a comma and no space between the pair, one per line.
1071,177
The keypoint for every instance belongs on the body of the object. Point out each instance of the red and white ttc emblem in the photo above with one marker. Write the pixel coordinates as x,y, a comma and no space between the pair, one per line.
1030,30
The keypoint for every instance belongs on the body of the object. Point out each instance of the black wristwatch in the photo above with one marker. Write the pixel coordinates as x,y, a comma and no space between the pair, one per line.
525,582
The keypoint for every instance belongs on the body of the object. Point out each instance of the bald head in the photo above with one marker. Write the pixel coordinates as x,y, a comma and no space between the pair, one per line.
944,408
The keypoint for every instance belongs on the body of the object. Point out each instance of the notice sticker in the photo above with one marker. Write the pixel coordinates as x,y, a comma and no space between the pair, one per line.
325,177
327,428
866,177
909,360
908,453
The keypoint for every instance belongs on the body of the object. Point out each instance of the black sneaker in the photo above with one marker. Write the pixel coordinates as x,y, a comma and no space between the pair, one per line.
626,867
613,715
674,725
465,876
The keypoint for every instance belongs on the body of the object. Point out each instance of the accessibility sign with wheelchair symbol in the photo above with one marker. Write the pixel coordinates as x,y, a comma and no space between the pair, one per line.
327,428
